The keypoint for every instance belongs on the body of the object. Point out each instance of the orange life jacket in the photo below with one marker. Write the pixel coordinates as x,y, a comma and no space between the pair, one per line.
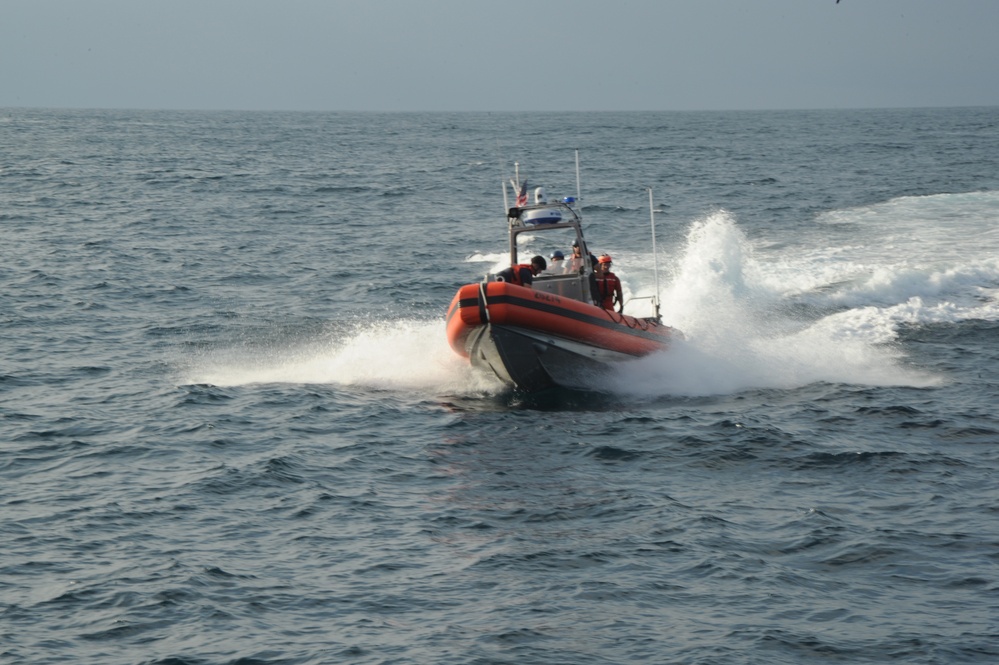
515,274
609,287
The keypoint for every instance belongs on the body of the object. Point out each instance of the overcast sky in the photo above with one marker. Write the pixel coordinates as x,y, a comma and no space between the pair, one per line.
474,55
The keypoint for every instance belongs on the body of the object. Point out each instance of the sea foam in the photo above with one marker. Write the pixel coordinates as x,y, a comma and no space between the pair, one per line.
753,314
750,321
407,355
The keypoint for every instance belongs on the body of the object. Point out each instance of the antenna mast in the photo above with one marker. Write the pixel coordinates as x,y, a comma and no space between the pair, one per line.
655,254
579,196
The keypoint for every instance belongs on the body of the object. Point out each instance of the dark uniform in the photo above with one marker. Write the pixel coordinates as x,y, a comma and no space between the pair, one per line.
519,274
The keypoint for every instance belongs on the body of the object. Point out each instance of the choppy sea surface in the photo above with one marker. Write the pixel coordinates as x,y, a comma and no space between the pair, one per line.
232,431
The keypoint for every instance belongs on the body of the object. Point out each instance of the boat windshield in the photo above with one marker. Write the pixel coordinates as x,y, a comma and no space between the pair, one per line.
568,277
555,245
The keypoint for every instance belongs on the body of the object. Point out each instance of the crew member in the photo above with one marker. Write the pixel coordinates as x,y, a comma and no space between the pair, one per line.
523,273
608,285
576,261
557,258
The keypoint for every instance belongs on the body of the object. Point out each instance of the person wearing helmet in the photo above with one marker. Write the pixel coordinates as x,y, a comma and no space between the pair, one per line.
555,262
608,285
523,273
577,261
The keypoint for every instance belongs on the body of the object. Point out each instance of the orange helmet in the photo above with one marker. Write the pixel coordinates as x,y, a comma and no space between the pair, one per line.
604,258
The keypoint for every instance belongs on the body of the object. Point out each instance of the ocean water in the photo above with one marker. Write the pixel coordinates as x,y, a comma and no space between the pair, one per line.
233,431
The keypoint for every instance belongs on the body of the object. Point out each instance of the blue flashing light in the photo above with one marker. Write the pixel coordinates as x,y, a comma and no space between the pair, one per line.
569,199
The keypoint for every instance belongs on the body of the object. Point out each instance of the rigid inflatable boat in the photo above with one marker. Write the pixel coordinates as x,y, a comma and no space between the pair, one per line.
553,332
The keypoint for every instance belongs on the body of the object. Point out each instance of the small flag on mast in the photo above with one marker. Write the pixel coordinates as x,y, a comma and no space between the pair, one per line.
522,196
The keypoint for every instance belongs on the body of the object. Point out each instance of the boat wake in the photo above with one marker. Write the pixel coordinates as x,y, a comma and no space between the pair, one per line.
409,356
829,309
755,314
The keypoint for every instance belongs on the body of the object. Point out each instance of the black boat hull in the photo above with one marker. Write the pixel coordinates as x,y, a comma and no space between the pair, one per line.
533,361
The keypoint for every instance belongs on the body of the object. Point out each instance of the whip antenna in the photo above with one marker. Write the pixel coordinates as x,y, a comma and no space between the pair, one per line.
655,254
506,201
579,196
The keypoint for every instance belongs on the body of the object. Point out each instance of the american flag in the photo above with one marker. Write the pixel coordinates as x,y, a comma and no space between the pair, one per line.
522,196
